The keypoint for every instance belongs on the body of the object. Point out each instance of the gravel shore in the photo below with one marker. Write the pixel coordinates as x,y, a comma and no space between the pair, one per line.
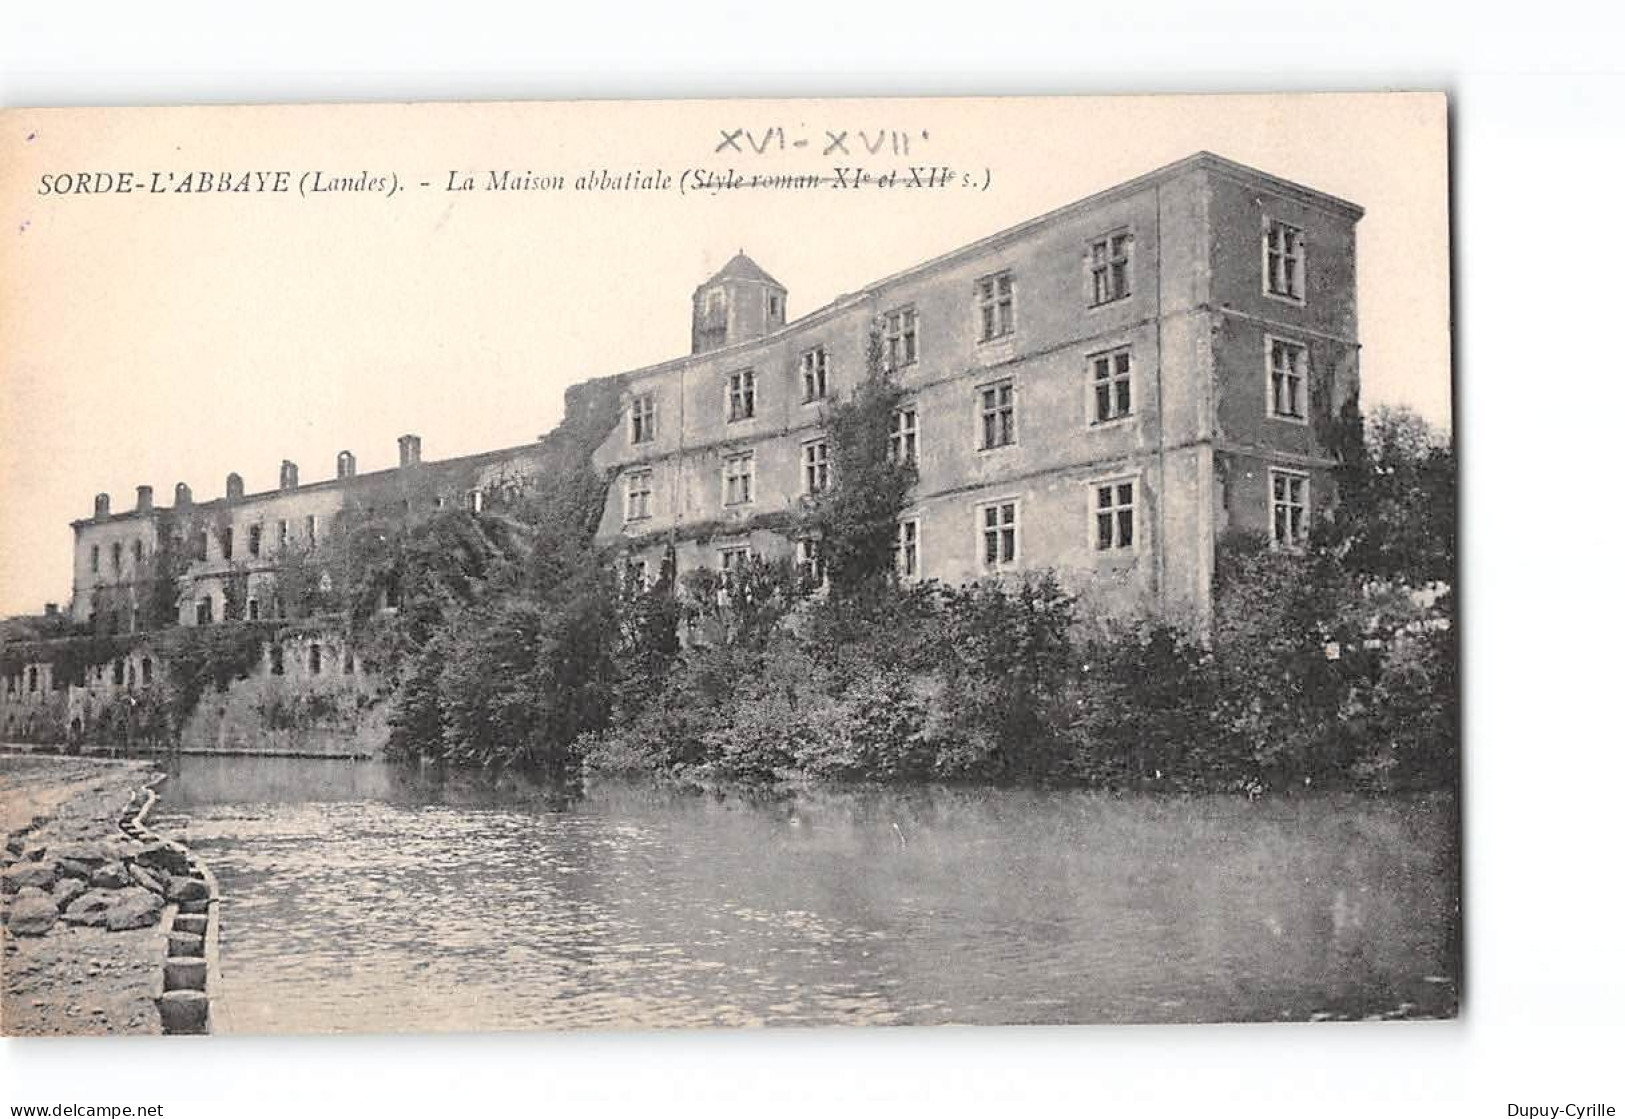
76,978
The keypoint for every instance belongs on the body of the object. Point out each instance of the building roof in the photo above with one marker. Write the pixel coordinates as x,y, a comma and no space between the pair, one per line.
742,267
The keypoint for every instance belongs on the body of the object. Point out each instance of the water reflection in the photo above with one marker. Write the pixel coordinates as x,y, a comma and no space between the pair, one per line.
367,897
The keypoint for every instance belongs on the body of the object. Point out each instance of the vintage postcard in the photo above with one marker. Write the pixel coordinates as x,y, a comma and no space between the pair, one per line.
477,567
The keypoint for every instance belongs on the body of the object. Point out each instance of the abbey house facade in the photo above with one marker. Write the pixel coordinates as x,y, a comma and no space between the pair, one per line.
1102,391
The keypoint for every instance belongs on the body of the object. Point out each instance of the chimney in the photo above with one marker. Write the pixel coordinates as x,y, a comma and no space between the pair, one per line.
289,478
411,450
183,495
103,506
234,486
143,499
346,465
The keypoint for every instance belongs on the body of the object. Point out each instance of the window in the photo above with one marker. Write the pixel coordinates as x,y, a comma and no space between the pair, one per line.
814,374
310,527
95,557
200,545
998,415
810,561
1283,260
996,305
281,534
475,501
315,660
349,663
1289,508
902,338
276,660
1114,516
999,534
118,673
140,550
204,611
227,536
253,540
815,466
1289,378
146,671
907,551
738,476
635,575
1109,267
742,395
905,435
253,609
33,678
1113,388
773,305
118,556
734,561
643,418
639,490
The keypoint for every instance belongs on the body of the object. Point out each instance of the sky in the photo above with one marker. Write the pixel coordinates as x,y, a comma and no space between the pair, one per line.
155,338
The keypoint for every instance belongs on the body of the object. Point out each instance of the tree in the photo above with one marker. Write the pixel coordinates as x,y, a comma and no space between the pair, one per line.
857,516
1396,514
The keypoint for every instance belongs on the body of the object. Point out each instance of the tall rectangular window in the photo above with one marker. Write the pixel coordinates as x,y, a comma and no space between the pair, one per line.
1114,516
1113,387
227,536
741,395
1289,378
814,374
639,491
118,556
1283,260
310,528
734,561
815,466
643,418
998,534
996,306
810,560
1109,259
738,478
1289,508
998,414
254,540
95,557
907,551
901,341
281,535
905,435
140,550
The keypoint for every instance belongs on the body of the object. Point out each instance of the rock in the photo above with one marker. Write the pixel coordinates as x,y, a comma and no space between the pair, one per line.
186,889
162,856
186,973
66,892
33,912
134,909
148,880
91,908
185,944
191,922
89,852
73,868
41,876
184,1012
110,876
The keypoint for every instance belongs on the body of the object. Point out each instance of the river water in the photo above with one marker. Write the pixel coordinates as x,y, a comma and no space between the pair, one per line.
366,897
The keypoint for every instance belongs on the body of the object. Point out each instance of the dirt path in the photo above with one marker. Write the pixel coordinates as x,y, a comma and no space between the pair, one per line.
75,979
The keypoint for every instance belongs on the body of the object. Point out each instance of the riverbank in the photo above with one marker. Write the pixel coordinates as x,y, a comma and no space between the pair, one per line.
74,979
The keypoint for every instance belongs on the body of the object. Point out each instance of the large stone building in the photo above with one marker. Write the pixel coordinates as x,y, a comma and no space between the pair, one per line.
1102,391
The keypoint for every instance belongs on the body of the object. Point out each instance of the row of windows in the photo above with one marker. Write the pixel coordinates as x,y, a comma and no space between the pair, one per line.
1110,379
124,671
998,529
1110,261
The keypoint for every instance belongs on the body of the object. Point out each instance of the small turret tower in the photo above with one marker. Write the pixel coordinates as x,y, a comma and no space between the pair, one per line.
739,303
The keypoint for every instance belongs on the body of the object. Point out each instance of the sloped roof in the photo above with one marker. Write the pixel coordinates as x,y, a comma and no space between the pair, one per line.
742,267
